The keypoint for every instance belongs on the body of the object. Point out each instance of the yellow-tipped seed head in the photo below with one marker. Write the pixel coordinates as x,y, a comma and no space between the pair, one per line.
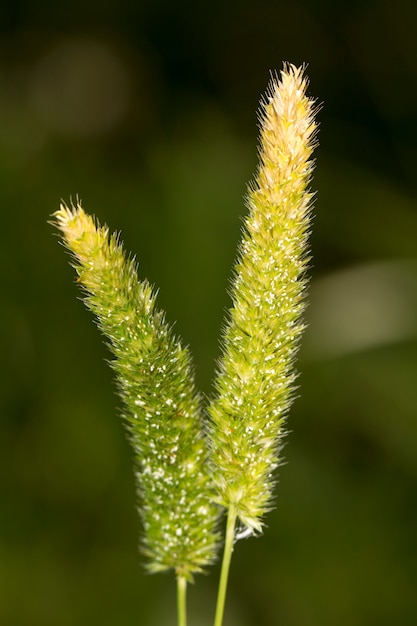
256,376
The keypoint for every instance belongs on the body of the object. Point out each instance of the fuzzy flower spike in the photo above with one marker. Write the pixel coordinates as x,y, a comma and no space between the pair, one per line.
255,382
161,407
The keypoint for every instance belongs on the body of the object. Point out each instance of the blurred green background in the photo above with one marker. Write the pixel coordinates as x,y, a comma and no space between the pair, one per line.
147,110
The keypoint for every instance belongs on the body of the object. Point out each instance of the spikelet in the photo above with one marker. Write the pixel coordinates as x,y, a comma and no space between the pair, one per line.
255,381
161,407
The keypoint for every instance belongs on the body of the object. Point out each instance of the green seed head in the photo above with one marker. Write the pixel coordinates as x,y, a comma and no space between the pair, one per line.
160,405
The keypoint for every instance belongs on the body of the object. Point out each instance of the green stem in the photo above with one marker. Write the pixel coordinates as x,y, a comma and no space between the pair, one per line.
224,574
182,600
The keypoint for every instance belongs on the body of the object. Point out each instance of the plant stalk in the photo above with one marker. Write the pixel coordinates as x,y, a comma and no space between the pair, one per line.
224,574
182,600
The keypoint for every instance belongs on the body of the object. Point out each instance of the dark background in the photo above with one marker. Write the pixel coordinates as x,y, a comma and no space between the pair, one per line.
147,110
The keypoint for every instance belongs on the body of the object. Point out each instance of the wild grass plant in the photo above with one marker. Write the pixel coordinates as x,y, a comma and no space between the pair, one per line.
194,463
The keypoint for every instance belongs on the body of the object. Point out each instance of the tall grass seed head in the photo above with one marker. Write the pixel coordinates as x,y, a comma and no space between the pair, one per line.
255,381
